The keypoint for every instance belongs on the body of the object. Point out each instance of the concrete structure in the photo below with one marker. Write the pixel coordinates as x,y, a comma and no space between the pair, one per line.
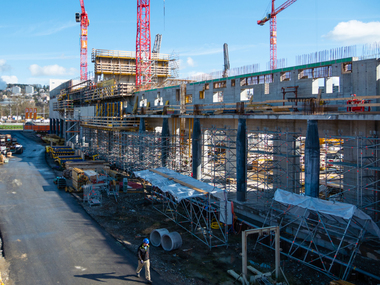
16,90
54,83
29,90
246,133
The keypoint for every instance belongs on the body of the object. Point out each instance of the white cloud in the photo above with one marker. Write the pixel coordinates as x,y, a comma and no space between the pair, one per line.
51,70
190,62
355,32
10,79
3,66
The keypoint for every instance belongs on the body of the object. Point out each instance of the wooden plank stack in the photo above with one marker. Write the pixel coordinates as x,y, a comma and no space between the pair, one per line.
76,173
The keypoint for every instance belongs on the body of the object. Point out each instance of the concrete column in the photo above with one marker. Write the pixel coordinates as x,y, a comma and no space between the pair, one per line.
241,161
51,126
67,127
165,139
142,125
61,128
54,127
196,141
57,127
312,159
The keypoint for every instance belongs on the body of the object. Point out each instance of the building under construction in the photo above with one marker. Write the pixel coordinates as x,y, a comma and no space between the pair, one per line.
294,147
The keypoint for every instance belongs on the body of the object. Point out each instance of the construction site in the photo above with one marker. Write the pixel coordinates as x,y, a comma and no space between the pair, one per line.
290,155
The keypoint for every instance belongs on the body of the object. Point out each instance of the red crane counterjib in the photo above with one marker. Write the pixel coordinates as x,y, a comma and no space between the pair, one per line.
275,12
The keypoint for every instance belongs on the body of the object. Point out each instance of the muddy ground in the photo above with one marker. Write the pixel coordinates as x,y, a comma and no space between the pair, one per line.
130,218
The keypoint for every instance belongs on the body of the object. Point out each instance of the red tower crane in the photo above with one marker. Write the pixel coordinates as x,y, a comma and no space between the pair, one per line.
84,23
273,30
143,43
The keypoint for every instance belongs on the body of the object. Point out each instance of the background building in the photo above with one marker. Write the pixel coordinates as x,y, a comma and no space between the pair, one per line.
16,90
29,89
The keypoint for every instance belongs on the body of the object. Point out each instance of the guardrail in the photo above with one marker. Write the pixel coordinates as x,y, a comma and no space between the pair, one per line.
110,122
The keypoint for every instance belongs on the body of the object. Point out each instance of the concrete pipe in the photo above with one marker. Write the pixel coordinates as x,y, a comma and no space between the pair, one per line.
156,236
171,241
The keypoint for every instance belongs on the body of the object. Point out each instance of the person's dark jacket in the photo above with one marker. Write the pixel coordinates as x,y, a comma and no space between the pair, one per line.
142,253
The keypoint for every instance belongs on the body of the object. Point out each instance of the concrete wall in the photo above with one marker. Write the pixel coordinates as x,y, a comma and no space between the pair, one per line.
358,77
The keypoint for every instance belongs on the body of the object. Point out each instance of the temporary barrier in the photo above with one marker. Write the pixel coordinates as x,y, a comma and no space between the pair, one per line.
171,241
156,236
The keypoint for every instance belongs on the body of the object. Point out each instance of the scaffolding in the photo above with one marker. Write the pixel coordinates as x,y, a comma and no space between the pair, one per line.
274,160
323,235
219,158
201,210
351,172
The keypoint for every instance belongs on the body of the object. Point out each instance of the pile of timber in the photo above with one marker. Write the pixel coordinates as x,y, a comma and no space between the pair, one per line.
76,174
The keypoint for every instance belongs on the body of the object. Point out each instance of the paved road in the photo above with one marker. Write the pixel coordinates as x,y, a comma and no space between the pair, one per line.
48,237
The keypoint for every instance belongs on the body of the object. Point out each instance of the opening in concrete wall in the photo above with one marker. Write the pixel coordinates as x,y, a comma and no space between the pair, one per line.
232,82
220,84
217,96
268,78
252,80
332,84
201,94
305,73
158,101
177,94
322,72
346,67
189,98
285,76
143,102
246,94
316,85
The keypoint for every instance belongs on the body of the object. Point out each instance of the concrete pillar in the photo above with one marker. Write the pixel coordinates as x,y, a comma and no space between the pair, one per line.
61,128
67,127
312,159
196,141
51,126
57,127
54,127
142,125
241,161
165,139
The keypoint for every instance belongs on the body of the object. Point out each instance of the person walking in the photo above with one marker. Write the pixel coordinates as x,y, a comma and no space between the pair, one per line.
143,259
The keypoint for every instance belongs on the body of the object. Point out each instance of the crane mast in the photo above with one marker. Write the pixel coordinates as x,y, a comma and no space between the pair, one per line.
143,44
84,23
273,30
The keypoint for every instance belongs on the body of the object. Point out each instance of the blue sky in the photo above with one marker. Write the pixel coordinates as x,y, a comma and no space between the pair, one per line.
39,39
